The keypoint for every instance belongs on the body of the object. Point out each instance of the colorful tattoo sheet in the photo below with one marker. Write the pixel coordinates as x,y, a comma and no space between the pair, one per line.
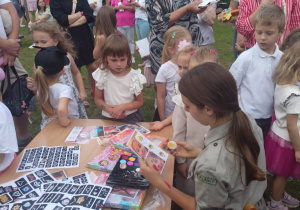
145,148
50,158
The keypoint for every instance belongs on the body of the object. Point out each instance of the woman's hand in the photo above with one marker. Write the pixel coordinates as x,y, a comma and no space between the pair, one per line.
150,173
135,4
182,169
116,7
185,150
193,7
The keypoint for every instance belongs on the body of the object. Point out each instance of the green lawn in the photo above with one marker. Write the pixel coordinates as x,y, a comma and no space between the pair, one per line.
223,33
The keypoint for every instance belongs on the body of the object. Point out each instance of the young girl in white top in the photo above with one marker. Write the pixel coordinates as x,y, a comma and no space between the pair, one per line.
229,171
282,143
168,75
185,127
122,85
48,34
56,100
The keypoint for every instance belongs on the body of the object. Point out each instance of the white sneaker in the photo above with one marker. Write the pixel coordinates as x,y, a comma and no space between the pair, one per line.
132,59
22,26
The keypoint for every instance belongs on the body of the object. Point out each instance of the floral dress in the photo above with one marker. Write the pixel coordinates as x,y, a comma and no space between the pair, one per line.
159,16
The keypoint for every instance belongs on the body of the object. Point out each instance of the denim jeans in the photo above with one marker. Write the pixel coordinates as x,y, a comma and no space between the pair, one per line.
128,31
142,28
92,24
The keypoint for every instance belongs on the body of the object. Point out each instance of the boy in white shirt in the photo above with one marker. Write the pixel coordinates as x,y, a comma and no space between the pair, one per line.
254,68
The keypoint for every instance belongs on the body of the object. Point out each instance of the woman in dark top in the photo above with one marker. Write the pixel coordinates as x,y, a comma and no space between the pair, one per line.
166,13
77,25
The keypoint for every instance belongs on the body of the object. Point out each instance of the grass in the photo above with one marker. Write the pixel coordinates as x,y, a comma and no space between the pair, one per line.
223,33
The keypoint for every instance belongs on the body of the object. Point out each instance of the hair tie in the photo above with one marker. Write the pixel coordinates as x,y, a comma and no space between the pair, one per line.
182,44
192,52
173,35
213,51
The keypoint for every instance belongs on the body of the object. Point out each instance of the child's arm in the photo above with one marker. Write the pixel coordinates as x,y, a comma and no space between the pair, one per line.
118,110
99,42
62,111
158,125
183,200
292,120
31,85
77,79
179,122
99,102
161,97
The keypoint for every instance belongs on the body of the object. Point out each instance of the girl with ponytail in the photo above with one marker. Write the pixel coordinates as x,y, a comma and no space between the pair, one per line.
56,100
229,171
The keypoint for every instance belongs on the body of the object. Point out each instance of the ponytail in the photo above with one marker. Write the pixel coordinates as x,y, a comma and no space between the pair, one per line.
43,92
211,85
245,145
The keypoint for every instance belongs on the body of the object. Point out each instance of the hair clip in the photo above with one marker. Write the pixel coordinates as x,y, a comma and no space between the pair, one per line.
182,44
192,52
213,51
173,35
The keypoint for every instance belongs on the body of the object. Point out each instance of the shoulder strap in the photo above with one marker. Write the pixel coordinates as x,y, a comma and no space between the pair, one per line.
7,77
74,7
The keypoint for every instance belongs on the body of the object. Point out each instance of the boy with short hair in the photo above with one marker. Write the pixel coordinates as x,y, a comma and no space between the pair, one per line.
254,68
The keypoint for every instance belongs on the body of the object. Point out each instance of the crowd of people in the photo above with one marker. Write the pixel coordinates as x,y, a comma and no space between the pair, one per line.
231,127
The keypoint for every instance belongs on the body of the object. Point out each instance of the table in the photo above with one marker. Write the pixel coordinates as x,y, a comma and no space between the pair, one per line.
54,135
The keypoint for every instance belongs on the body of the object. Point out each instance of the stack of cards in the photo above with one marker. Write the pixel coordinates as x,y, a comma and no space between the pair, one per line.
81,135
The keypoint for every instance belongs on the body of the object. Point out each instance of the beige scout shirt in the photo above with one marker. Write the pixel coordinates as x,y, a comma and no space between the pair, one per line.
218,180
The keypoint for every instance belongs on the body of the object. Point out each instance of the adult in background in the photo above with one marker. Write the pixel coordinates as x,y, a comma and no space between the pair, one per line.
95,6
249,8
32,7
164,14
125,21
43,13
75,18
17,6
9,45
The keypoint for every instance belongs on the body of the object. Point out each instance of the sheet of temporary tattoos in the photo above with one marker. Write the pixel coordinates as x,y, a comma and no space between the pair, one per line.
49,158
83,178
26,186
70,196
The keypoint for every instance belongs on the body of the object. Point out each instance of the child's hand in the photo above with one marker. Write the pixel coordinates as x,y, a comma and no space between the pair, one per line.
64,122
82,96
116,7
185,150
297,156
182,169
31,85
156,126
117,112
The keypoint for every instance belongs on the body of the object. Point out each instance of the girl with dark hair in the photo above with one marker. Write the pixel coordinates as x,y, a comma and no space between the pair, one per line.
43,12
229,171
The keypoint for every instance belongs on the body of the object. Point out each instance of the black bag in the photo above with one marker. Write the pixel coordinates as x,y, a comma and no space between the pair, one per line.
17,95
